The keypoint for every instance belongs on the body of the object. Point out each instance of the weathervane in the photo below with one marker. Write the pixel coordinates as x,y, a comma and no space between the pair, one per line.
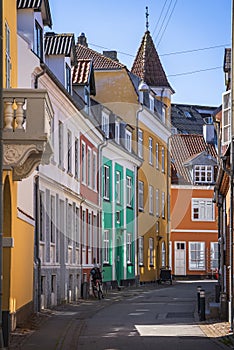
147,21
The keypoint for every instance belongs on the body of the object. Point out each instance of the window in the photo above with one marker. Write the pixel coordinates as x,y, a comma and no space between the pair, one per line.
202,209
68,78
83,161
197,255
163,204
128,140
117,187
163,160
129,191
163,249
95,171
157,227
150,150
117,131
89,167
141,195
69,152
203,174
140,143
129,248
151,252
42,216
52,219
157,202
151,199
38,49
106,185
141,250
106,246
89,231
118,217
156,155
84,229
69,224
151,100
163,115
214,255
226,118
105,124
77,228
95,236
8,56
60,136
76,158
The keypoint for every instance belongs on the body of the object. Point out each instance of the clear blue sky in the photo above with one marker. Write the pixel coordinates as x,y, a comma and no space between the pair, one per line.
183,25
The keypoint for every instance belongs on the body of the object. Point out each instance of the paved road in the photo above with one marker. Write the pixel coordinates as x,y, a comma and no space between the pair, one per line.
160,318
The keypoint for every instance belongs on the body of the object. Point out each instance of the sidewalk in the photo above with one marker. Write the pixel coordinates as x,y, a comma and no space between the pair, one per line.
69,318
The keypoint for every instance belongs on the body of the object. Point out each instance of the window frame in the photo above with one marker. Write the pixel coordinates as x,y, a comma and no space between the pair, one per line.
38,44
106,182
200,260
8,55
140,143
200,213
163,160
129,248
129,191
128,140
140,195
106,246
141,251
201,171
151,199
151,251
118,187
150,151
83,162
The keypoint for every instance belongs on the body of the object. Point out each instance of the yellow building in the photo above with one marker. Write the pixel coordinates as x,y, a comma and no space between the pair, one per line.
154,174
23,145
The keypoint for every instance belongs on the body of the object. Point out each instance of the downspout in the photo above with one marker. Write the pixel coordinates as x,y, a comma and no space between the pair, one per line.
37,259
37,76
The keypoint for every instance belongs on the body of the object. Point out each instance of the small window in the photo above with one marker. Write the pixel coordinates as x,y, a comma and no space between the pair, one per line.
38,49
105,124
117,187
203,174
128,140
76,158
106,184
89,167
141,195
83,161
196,255
60,136
117,131
68,78
69,152
163,160
202,209
118,217
226,118
150,150
151,199
129,191
106,247
151,251
95,174
129,248
141,250
8,56
157,155
140,143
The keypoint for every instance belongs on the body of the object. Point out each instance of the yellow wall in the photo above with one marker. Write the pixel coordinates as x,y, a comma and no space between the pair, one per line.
9,17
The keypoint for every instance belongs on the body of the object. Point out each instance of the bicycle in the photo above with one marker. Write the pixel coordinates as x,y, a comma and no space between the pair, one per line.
97,289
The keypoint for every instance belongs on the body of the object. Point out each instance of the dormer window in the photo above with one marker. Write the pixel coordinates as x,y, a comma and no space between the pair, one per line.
163,115
68,78
38,45
117,131
105,124
128,140
203,174
151,100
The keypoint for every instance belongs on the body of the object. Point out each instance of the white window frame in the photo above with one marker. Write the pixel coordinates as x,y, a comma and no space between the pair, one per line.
76,158
163,160
151,199
84,238
128,140
141,251
77,228
197,256
163,255
140,143
226,117
202,209
95,173
157,203
151,101
214,256
141,195
118,187
60,140
163,115
117,131
150,151
69,152
42,216
157,155
151,251
105,123
129,248
106,246
83,162
8,55
106,182
52,220
129,191
89,167
68,77
203,174
163,205
89,231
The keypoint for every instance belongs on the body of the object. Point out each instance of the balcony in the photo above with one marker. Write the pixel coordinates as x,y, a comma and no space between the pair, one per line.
27,118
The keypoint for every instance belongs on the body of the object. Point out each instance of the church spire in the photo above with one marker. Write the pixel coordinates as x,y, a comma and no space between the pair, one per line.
147,18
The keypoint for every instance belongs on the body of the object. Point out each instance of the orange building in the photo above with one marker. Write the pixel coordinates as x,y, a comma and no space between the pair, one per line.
194,232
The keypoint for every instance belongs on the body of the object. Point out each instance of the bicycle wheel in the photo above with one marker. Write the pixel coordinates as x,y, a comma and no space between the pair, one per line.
95,291
100,293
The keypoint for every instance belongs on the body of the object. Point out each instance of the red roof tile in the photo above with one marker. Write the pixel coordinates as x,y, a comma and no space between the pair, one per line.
81,72
147,64
99,61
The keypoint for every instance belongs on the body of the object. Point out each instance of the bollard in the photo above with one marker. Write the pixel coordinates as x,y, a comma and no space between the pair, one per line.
198,298
202,305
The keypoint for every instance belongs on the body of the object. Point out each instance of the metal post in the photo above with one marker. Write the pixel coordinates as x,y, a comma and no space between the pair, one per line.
202,305
198,298
1,167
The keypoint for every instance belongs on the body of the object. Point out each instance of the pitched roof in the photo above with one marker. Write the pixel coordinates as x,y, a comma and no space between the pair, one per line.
59,44
183,148
147,64
41,5
189,119
82,74
99,61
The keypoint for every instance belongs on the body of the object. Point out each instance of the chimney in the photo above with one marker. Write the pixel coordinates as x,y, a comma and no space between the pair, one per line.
82,40
111,54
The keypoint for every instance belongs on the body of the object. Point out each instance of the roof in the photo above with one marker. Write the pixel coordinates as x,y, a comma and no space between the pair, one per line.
82,74
147,64
41,5
60,44
189,119
184,149
100,61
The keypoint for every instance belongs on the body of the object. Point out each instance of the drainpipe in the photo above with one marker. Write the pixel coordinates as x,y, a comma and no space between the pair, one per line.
1,167
37,76
37,260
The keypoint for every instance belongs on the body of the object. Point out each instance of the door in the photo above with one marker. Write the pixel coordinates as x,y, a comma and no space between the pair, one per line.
180,258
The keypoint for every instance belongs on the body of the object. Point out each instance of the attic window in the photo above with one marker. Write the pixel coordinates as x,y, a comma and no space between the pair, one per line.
187,114
68,78
38,49
203,174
